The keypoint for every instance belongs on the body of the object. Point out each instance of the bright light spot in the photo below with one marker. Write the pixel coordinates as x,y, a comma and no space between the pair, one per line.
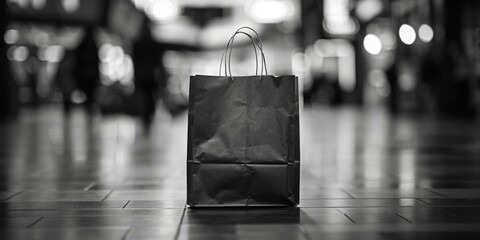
368,9
299,62
407,34
162,10
71,5
54,53
140,4
18,54
324,48
425,33
127,70
346,65
270,11
103,52
340,25
337,19
372,44
11,36
115,65
110,54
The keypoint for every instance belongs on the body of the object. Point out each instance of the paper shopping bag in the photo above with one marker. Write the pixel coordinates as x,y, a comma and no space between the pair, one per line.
243,139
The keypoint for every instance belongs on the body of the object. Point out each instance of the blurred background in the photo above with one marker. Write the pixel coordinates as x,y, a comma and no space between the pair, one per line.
135,56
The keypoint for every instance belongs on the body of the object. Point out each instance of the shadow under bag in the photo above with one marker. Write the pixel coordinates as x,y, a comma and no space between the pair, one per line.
243,137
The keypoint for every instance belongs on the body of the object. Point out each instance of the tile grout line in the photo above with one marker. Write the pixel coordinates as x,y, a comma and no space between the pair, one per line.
177,232
351,219
111,191
35,222
90,186
340,211
126,204
350,195
404,218
9,197
127,233
419,199
443,195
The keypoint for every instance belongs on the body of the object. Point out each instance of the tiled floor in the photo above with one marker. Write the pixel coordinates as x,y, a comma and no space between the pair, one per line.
365,175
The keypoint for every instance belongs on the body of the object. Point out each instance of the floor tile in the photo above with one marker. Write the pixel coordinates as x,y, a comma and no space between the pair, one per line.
339,203
61,205
92,212
64,222
60,196
269,231
53,185
96,233
154,232
379,217
364,175
345,236
234,216
393,193
432,235
459,192
156,204
6,223
431,215
139,185
312,193
464,214
147,195
330,218
6,195
452,202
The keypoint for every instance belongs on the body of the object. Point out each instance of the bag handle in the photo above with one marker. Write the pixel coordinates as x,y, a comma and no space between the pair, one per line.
255,43
229,46
227,53
258,44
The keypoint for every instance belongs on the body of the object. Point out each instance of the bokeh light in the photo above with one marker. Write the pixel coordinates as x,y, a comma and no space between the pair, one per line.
425,33
71,5
407,34
162,10
372,44
269,11
11,36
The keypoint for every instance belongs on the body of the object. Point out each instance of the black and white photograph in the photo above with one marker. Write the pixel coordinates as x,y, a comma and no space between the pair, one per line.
240,119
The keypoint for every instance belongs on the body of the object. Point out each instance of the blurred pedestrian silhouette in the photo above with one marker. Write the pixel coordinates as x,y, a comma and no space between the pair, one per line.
148,73
65,80
86,71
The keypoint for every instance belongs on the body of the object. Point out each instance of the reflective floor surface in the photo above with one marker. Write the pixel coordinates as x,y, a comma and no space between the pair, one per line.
365,175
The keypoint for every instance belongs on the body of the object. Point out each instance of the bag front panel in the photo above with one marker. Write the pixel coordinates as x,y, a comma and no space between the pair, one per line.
220,120
243,141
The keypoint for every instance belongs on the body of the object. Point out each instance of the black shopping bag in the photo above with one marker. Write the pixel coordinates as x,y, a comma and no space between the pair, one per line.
243,138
